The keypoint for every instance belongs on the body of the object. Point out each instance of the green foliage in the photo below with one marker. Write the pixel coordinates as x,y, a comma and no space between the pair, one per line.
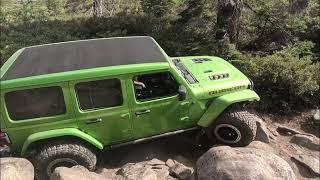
158,8
55,6
283,81
270,25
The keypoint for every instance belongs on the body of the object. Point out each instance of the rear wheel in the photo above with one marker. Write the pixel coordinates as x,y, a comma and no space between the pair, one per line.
65,154
235,127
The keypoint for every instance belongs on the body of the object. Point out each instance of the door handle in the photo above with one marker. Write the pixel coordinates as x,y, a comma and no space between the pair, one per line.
143,112
184,103
91,121
125,115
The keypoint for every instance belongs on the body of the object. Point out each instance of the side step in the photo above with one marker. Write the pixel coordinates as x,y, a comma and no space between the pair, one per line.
153,137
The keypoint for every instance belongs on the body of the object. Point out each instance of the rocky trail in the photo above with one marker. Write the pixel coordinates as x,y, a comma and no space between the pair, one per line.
279,152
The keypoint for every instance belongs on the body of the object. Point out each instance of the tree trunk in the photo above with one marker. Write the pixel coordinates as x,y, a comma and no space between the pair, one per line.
97,8
228,19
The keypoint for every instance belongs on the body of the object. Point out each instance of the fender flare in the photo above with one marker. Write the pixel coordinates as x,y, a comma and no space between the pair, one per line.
220,103
58,133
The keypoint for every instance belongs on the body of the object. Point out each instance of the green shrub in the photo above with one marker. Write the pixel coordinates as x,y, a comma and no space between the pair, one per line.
284,83
55,6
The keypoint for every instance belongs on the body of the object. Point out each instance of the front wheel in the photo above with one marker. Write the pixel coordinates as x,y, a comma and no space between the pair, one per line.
65,154
235,127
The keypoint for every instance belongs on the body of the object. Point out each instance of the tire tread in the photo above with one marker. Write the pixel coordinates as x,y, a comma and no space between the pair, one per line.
63,148
240,118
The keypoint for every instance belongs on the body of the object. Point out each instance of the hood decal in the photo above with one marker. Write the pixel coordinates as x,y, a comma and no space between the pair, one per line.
227,89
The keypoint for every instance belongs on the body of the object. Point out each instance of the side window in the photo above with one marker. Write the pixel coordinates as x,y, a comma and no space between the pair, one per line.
99,94
35,103
156,85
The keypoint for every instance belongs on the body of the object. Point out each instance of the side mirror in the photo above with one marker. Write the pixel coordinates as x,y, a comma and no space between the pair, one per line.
182,93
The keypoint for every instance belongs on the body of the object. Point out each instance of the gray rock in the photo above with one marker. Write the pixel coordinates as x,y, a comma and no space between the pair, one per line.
170,162
159,167
16,169
171,178
137,171
260,145
143,171
309,162
110,174
156,162
287,130
306,140
161,171
274,132
181,159
76,172
262,132
229,163
180,171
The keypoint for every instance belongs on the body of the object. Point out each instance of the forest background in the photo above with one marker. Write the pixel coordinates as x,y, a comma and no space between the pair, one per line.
274,42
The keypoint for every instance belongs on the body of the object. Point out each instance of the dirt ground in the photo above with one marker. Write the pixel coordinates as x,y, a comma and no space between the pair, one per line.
183,149
302,122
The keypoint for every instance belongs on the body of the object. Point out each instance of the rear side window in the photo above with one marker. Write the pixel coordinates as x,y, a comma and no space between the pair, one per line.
35,103
99,94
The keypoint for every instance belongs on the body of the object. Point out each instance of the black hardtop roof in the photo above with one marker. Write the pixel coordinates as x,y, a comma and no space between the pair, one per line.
84,54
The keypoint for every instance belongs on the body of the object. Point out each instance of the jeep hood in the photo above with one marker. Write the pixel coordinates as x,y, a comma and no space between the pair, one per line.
210,76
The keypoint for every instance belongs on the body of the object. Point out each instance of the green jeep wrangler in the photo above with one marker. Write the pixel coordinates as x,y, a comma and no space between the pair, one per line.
62,103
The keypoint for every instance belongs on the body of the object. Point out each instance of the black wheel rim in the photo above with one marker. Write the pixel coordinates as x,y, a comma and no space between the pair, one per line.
227,133
61,162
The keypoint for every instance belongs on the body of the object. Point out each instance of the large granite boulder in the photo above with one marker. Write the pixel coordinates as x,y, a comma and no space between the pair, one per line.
306,140
226,163
16,169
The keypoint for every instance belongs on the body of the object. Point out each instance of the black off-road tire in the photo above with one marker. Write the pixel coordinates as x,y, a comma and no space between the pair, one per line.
69,153
237,120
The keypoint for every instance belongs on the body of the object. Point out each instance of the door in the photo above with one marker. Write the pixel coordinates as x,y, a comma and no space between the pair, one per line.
102,110
155,105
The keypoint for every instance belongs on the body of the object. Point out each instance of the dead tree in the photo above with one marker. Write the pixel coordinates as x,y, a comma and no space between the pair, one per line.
228,19
97,8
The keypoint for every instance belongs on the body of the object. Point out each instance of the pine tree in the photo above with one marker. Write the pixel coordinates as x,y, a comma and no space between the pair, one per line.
157,8
194,9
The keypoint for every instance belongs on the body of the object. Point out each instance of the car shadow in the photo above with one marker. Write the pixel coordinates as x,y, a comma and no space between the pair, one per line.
179,147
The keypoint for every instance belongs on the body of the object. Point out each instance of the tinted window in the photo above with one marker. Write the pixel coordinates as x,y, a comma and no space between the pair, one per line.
151,86
35,103
99,94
